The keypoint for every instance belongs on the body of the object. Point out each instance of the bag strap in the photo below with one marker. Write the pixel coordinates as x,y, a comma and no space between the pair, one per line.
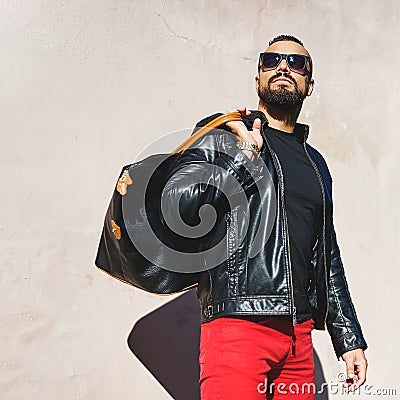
222,119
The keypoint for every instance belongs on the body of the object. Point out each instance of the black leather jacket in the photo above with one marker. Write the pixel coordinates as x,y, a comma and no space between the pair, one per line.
262,285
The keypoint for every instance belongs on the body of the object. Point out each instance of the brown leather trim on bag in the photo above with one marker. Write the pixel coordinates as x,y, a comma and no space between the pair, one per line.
116,230
222,119
123,182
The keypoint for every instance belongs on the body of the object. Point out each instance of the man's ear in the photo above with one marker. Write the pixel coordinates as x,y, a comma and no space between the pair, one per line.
310,87
257,81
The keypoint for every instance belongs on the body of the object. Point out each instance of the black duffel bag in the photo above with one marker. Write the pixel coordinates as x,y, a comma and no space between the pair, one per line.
138,184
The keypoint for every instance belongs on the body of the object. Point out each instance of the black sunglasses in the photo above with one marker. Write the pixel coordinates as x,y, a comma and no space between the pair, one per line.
296,62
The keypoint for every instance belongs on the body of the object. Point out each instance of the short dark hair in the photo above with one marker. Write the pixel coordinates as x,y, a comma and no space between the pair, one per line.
289,38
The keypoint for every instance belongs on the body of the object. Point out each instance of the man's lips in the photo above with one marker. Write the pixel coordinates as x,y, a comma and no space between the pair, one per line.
282,80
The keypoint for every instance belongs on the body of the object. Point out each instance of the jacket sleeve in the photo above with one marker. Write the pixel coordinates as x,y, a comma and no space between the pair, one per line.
342,323
205,174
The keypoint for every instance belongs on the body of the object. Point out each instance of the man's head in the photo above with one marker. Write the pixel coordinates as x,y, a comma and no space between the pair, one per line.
284,77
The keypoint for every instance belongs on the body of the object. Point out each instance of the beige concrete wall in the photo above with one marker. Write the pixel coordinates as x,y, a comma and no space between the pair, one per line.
85,85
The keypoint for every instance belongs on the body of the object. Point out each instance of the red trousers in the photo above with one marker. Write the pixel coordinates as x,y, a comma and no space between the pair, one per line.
256,359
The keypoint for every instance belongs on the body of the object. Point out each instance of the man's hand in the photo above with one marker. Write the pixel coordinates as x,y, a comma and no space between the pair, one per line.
356,365
240,130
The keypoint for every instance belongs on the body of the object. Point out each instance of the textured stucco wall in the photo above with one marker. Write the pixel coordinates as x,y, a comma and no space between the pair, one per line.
85,85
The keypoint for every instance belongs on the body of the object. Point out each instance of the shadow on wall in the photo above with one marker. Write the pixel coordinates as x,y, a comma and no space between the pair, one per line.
166,341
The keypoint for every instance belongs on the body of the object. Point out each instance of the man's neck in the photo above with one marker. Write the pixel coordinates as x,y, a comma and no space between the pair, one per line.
284,120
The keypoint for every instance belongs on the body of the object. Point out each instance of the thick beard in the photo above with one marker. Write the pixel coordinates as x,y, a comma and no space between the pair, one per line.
281,98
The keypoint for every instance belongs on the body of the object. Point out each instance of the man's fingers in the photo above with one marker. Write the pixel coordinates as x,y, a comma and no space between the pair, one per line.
350,366
242,110
239,129
356,366
349,370
361,373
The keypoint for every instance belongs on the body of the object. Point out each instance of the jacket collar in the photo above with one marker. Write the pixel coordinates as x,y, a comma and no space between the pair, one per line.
301,131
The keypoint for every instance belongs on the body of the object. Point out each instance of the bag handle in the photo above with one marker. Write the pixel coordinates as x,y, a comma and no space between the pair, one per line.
222,119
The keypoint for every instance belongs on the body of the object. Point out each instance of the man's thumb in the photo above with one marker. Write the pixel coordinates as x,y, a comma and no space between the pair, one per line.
350,370
257,124
256,133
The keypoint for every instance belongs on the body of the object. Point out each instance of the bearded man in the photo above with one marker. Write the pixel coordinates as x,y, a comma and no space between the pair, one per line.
258,310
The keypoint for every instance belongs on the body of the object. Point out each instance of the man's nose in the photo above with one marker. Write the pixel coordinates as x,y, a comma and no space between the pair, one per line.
283,66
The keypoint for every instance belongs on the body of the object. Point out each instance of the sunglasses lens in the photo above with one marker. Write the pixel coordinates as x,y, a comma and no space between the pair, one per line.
296,62
270,60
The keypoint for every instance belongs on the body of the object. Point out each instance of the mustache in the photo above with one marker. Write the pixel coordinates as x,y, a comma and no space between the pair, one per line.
280,75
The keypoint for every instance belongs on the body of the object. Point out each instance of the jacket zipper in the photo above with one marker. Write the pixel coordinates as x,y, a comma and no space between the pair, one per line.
278,168
323,223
